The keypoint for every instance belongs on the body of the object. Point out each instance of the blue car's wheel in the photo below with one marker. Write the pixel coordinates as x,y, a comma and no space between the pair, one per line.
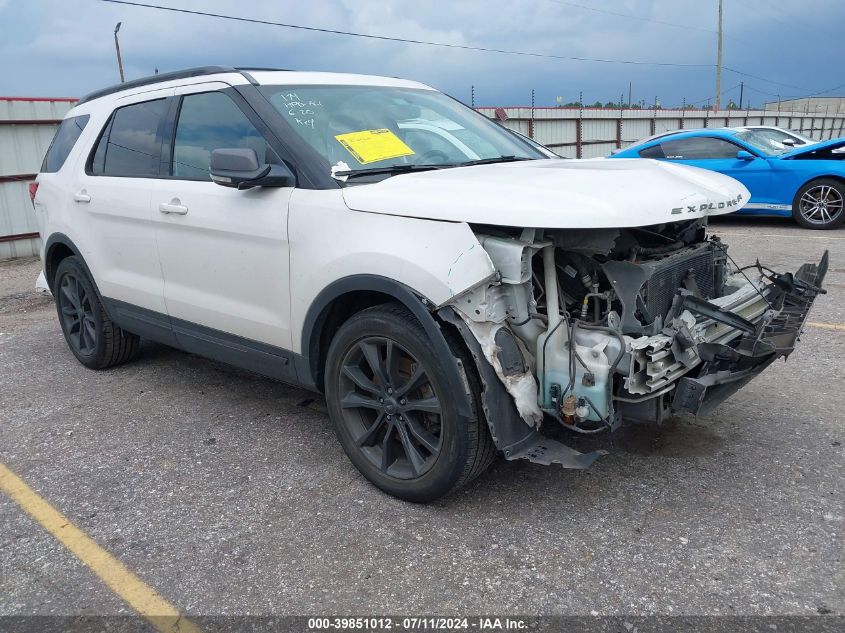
820,204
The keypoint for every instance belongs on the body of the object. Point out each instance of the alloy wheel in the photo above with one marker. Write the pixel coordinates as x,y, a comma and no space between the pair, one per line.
77,315
390,408
821,204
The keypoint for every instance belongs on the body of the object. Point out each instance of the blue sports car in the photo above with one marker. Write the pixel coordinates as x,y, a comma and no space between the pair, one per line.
806,183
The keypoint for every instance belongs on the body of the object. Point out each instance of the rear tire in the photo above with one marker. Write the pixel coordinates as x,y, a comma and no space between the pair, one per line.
820,204
395,415
96,342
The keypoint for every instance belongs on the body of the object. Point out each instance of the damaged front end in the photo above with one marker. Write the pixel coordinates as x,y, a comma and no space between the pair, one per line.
591,327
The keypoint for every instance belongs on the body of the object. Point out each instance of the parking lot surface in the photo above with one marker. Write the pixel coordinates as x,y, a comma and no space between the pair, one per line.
228,494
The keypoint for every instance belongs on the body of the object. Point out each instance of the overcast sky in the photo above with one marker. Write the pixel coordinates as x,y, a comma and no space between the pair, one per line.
66,47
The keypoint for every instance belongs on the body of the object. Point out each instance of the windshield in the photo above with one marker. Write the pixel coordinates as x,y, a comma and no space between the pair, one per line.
365,127
763,142
778,134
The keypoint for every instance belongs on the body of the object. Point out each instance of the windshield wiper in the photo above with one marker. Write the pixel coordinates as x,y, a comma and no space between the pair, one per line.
389,169
489,161
401,169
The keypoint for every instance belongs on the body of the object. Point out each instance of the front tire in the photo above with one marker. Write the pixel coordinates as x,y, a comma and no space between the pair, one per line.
96,342
389,397
819,204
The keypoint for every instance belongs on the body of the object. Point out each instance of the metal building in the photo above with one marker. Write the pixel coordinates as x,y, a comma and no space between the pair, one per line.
809,105
27,126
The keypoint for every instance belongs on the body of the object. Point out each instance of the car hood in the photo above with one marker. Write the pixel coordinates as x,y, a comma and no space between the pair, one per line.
596,193
806,149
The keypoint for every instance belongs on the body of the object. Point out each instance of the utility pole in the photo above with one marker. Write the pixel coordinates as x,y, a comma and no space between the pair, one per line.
629,95
741,89
719,61
117,49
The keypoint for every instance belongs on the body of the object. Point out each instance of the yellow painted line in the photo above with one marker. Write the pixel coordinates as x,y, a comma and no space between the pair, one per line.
789,236
162,615
827,326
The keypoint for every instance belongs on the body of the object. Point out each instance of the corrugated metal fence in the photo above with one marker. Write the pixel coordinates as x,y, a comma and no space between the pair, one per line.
593,132
27,126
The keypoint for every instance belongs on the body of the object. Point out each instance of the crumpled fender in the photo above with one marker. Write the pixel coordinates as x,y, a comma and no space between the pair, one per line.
510,433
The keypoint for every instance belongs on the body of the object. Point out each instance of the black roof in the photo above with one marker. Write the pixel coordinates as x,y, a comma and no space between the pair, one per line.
177,74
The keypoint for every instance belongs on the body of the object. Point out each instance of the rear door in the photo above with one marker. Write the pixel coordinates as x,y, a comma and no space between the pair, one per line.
110,212
223,252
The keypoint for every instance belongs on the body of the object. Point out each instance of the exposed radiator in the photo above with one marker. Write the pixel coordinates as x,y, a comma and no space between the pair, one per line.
668,275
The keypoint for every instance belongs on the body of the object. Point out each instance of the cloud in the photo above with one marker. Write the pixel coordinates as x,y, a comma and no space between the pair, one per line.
58,48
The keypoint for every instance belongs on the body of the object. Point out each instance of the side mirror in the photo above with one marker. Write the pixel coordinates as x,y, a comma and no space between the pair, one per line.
744,155
788,142
239,168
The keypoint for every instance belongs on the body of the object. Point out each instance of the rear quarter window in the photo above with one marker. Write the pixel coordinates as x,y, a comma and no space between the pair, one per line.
655,151
63,142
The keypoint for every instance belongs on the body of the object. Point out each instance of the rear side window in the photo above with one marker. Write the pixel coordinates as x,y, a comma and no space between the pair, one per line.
64,140
129,144
655,151
699,147
209,121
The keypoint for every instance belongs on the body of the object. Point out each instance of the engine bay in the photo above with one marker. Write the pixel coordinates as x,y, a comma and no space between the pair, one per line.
591,327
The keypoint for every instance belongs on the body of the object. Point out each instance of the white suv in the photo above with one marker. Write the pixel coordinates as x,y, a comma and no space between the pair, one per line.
449,287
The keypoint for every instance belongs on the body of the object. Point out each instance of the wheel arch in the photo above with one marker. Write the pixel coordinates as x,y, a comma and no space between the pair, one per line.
58,247
345,297
838,177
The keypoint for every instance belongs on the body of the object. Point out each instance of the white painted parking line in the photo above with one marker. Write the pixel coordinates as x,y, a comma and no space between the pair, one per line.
827,326
788,236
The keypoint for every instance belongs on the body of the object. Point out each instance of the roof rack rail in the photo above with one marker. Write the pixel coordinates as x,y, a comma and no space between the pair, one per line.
177,74
247,72
154,79
263,69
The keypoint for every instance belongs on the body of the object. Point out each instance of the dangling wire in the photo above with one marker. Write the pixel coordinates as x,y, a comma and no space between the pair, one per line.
718,245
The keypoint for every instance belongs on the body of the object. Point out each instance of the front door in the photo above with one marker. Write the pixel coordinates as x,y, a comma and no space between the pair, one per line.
223,252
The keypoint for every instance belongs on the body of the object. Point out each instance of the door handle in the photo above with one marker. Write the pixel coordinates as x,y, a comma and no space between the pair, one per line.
174,207
81,196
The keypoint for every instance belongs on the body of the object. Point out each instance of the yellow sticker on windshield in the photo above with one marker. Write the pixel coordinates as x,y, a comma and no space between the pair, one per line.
371,146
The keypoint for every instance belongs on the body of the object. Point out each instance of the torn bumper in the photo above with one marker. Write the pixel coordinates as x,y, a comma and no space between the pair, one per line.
511,434
726,368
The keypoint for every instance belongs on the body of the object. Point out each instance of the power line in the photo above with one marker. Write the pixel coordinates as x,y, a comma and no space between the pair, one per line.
767,6
387,38
805,91
769,81
801,96
630,16
710,98
688,27
767,93
824,92
461,46
791,22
